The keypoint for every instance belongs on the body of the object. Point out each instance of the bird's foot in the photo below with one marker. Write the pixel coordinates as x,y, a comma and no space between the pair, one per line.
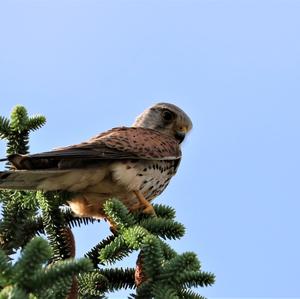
149,210
144,203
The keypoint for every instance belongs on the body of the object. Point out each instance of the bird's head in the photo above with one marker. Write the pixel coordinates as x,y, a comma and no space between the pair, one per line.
166,118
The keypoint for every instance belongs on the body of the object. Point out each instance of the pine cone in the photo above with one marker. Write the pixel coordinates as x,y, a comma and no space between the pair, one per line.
139,276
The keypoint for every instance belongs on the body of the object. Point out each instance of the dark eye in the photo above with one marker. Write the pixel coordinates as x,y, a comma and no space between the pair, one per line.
168,115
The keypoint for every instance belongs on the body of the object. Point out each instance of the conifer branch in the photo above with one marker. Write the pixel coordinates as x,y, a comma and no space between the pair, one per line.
118,215
118,278
162,292
165,212
4,127
17,210
35,122
75,221
114,251
30,278
5,269
165,228
160,269
189,294
54,224
93,254
92,284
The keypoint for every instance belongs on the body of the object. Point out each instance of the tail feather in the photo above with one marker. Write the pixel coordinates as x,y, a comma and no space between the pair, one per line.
26,179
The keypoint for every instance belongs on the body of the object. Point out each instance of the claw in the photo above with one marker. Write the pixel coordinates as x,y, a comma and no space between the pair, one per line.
143,202
150,210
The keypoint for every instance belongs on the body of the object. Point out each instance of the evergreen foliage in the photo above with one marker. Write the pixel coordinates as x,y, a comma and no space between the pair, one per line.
16,130
47,269
30,278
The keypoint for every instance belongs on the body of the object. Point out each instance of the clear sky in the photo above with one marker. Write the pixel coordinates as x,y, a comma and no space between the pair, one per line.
233,66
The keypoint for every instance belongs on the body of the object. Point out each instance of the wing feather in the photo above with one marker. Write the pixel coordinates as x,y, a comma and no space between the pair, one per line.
115,144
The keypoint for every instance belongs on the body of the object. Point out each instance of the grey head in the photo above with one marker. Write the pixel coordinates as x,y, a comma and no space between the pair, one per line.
165,118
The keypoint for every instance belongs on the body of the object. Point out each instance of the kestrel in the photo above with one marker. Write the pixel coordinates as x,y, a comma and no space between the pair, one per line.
134,164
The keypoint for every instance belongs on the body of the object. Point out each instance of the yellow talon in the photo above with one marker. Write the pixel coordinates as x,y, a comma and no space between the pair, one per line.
143,202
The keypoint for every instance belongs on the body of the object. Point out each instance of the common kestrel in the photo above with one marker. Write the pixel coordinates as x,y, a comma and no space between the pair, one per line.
133,164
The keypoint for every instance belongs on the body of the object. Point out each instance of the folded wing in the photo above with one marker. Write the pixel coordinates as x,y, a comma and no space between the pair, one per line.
115,144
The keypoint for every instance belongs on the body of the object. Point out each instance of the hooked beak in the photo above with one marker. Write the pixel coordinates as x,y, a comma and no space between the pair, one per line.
180,134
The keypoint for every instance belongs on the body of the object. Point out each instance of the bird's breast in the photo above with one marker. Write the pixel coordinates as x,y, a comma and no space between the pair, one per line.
123,177
149,177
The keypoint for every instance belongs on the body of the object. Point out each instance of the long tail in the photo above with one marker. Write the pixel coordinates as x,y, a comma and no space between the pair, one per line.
27,179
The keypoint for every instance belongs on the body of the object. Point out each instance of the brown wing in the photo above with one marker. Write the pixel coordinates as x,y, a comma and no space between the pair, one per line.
115,144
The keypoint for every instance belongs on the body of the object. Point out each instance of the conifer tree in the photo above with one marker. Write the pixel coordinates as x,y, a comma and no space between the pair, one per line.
47,267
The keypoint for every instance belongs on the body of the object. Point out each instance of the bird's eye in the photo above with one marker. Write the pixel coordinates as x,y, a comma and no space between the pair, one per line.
168,115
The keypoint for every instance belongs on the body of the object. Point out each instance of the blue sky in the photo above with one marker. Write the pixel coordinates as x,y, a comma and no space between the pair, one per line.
233,66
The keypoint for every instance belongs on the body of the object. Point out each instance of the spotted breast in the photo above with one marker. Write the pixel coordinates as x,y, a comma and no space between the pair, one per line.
149,177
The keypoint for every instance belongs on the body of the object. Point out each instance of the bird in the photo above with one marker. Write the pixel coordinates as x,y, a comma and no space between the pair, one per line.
133,164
